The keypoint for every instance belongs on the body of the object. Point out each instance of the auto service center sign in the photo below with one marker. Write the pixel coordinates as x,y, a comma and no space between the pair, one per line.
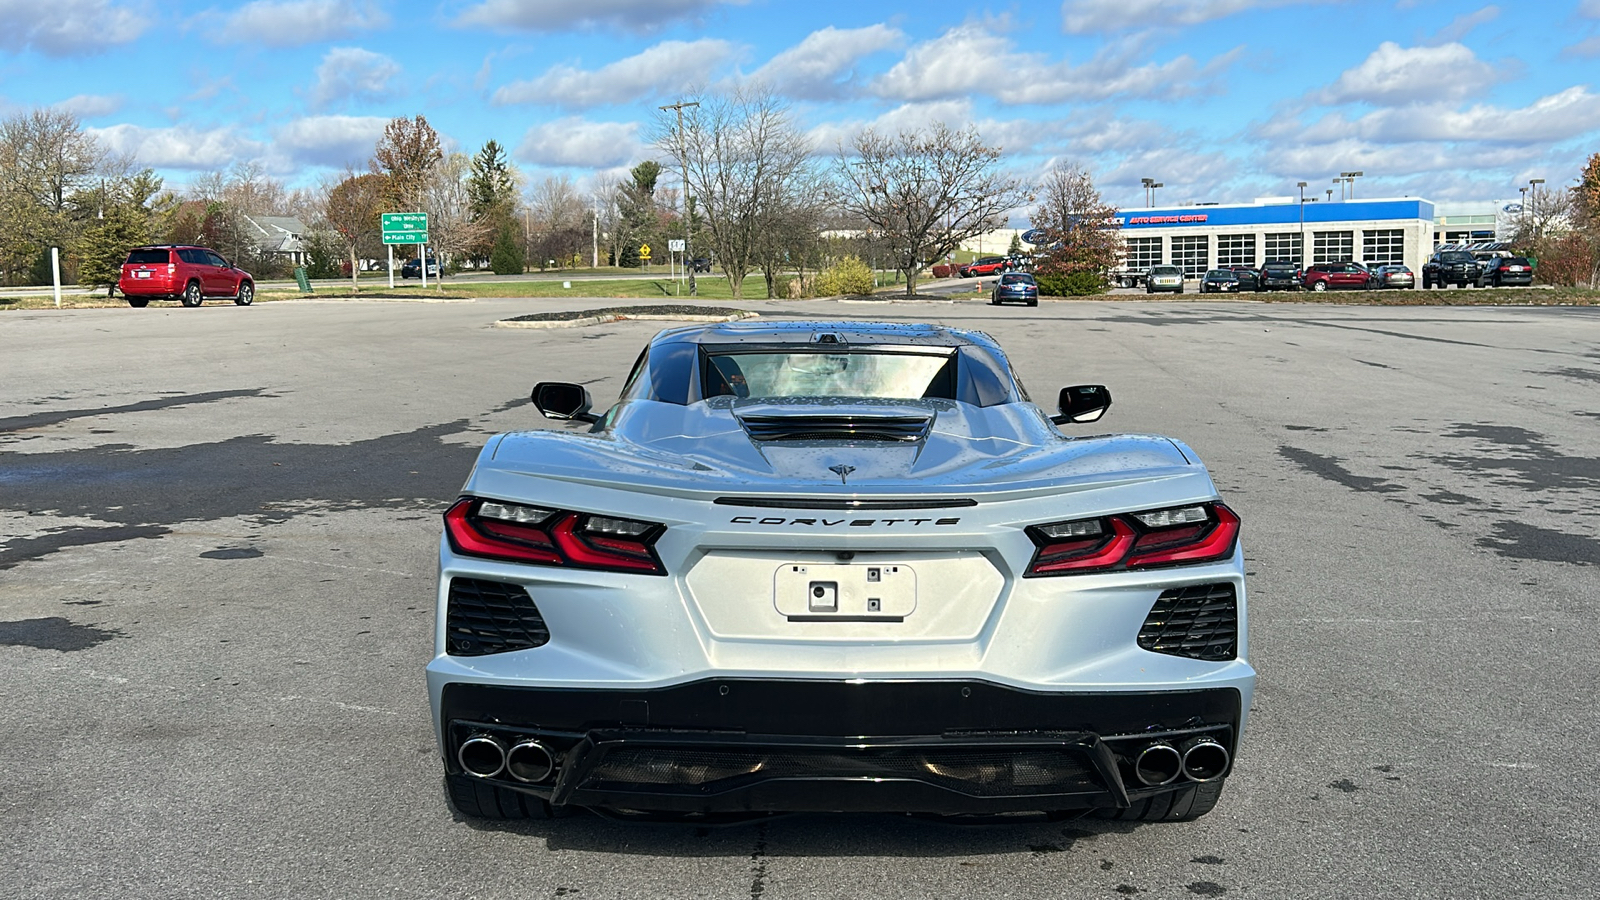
1197,219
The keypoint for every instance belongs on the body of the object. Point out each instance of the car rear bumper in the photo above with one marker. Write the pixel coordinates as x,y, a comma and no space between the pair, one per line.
936,746
1514,278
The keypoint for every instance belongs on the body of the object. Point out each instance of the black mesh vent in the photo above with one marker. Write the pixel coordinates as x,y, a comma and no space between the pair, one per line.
491,617
1200,622
972,771
836,428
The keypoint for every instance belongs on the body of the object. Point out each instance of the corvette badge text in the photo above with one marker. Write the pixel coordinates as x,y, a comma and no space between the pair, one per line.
836,523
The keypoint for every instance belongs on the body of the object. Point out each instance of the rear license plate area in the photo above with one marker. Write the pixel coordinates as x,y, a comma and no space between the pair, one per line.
857,592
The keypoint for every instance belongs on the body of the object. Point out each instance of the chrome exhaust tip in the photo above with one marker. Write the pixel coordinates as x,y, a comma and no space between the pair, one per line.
482,756
1204,759
530,762
1157,764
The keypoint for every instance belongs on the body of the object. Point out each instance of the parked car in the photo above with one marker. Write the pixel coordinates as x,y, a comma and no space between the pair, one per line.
1343,275
700,264
986,265
412,268
1393,276
886,584
1458,267
1220,281
1163,278
1015,287
1506,270
1249,277
189,275
1279,276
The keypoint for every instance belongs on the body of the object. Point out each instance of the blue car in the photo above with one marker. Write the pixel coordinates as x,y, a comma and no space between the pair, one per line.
1015,287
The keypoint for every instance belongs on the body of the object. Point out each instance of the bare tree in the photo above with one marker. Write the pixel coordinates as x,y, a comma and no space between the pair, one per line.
46,161
1081,232
926,191
452,227
745,161
558,221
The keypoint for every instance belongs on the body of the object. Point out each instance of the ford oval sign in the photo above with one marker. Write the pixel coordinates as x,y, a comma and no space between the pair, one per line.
1034,236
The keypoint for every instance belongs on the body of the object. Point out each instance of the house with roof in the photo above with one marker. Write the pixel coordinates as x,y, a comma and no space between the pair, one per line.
277,235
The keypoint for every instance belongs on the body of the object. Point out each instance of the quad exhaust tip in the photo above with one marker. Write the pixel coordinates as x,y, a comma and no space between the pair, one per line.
1157,764
1204,759
530,762
482,756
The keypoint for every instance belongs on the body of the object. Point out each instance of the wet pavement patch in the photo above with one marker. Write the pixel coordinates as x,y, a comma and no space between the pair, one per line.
1573,373
232,553
1329,468
38,420
1518,540
22,549
53,633
1535,464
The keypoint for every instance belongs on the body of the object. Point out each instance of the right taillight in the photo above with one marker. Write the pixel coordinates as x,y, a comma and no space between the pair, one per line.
1179,535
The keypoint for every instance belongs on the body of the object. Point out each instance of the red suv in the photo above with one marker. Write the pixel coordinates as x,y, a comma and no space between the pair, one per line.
1324,276
187,274
987,265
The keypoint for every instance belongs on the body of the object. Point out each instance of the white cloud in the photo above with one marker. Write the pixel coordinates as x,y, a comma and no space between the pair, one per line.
89,106
668,68
1588,48
67,27
578,142
178,147
813,68
561,15
351,73
1394,75
1017,137
1556,117
1464,23
970,59
291,23
332,141
1085,16
1590,9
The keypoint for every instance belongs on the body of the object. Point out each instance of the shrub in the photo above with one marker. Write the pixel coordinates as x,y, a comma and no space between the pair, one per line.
943,271
508,257
1072,284
847,276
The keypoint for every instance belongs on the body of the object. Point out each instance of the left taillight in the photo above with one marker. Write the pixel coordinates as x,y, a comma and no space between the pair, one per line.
1179,535
515,532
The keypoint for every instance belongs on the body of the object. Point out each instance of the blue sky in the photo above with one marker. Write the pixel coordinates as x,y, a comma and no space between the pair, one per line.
1222,100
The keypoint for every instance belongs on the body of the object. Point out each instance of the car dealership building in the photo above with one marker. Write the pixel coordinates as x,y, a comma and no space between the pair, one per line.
1197,238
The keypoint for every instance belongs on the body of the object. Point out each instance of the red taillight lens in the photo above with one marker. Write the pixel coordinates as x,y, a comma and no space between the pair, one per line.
1162,537
517,533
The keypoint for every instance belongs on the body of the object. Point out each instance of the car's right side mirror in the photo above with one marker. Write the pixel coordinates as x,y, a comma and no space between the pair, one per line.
561,400
1082,403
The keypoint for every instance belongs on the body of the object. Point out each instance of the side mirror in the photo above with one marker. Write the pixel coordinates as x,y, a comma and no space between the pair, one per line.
1082,403
560,400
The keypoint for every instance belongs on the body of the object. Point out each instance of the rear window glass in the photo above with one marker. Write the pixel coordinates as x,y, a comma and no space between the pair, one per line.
1016,279
1516,261
147,257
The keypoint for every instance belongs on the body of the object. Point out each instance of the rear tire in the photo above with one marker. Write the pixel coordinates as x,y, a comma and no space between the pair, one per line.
1183,805
138,302
192,295
478,799
1319,286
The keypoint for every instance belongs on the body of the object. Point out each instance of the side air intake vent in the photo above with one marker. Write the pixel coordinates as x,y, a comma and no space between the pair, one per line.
903,429
491,617
1200,622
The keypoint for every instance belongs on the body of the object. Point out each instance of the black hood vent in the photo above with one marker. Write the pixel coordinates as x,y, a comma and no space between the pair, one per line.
894,429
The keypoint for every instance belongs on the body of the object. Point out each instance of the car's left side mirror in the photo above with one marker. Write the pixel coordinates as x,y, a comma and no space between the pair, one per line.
561,400
1082,403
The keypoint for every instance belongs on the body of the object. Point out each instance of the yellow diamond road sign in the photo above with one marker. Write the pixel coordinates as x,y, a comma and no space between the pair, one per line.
644,251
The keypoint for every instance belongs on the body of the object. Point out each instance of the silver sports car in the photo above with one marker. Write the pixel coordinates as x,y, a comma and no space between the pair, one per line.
836,566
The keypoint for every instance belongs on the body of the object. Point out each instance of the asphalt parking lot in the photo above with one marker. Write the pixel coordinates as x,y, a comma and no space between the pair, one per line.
217,545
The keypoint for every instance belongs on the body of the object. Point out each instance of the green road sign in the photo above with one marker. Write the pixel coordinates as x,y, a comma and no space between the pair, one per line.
405,228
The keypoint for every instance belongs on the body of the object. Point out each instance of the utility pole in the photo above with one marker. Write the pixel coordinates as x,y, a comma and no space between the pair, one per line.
594,261
1300,262
688,214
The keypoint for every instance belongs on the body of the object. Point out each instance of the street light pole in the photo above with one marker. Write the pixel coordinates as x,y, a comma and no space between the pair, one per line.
688,212
1351,178
1301,260
1534,183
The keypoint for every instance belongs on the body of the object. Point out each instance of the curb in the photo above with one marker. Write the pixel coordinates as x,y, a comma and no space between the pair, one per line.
602,320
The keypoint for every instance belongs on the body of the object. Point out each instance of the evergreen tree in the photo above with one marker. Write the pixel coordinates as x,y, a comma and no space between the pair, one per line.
106,242
508,257
1016,245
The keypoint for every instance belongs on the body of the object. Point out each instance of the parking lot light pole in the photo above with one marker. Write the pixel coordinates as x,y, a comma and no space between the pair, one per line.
1533,185
1351,177
1301,259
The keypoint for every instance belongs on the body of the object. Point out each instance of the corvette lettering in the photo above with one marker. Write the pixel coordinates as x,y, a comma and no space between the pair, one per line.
836,523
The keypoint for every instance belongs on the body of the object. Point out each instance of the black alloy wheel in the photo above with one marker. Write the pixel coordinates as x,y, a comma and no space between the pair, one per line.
138,302
246,295
192,295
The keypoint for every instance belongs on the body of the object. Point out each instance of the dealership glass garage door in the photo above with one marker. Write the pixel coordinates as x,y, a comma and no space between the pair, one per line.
1332,246
1383,248
1192,254
1144,252
1236,249
1283,246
